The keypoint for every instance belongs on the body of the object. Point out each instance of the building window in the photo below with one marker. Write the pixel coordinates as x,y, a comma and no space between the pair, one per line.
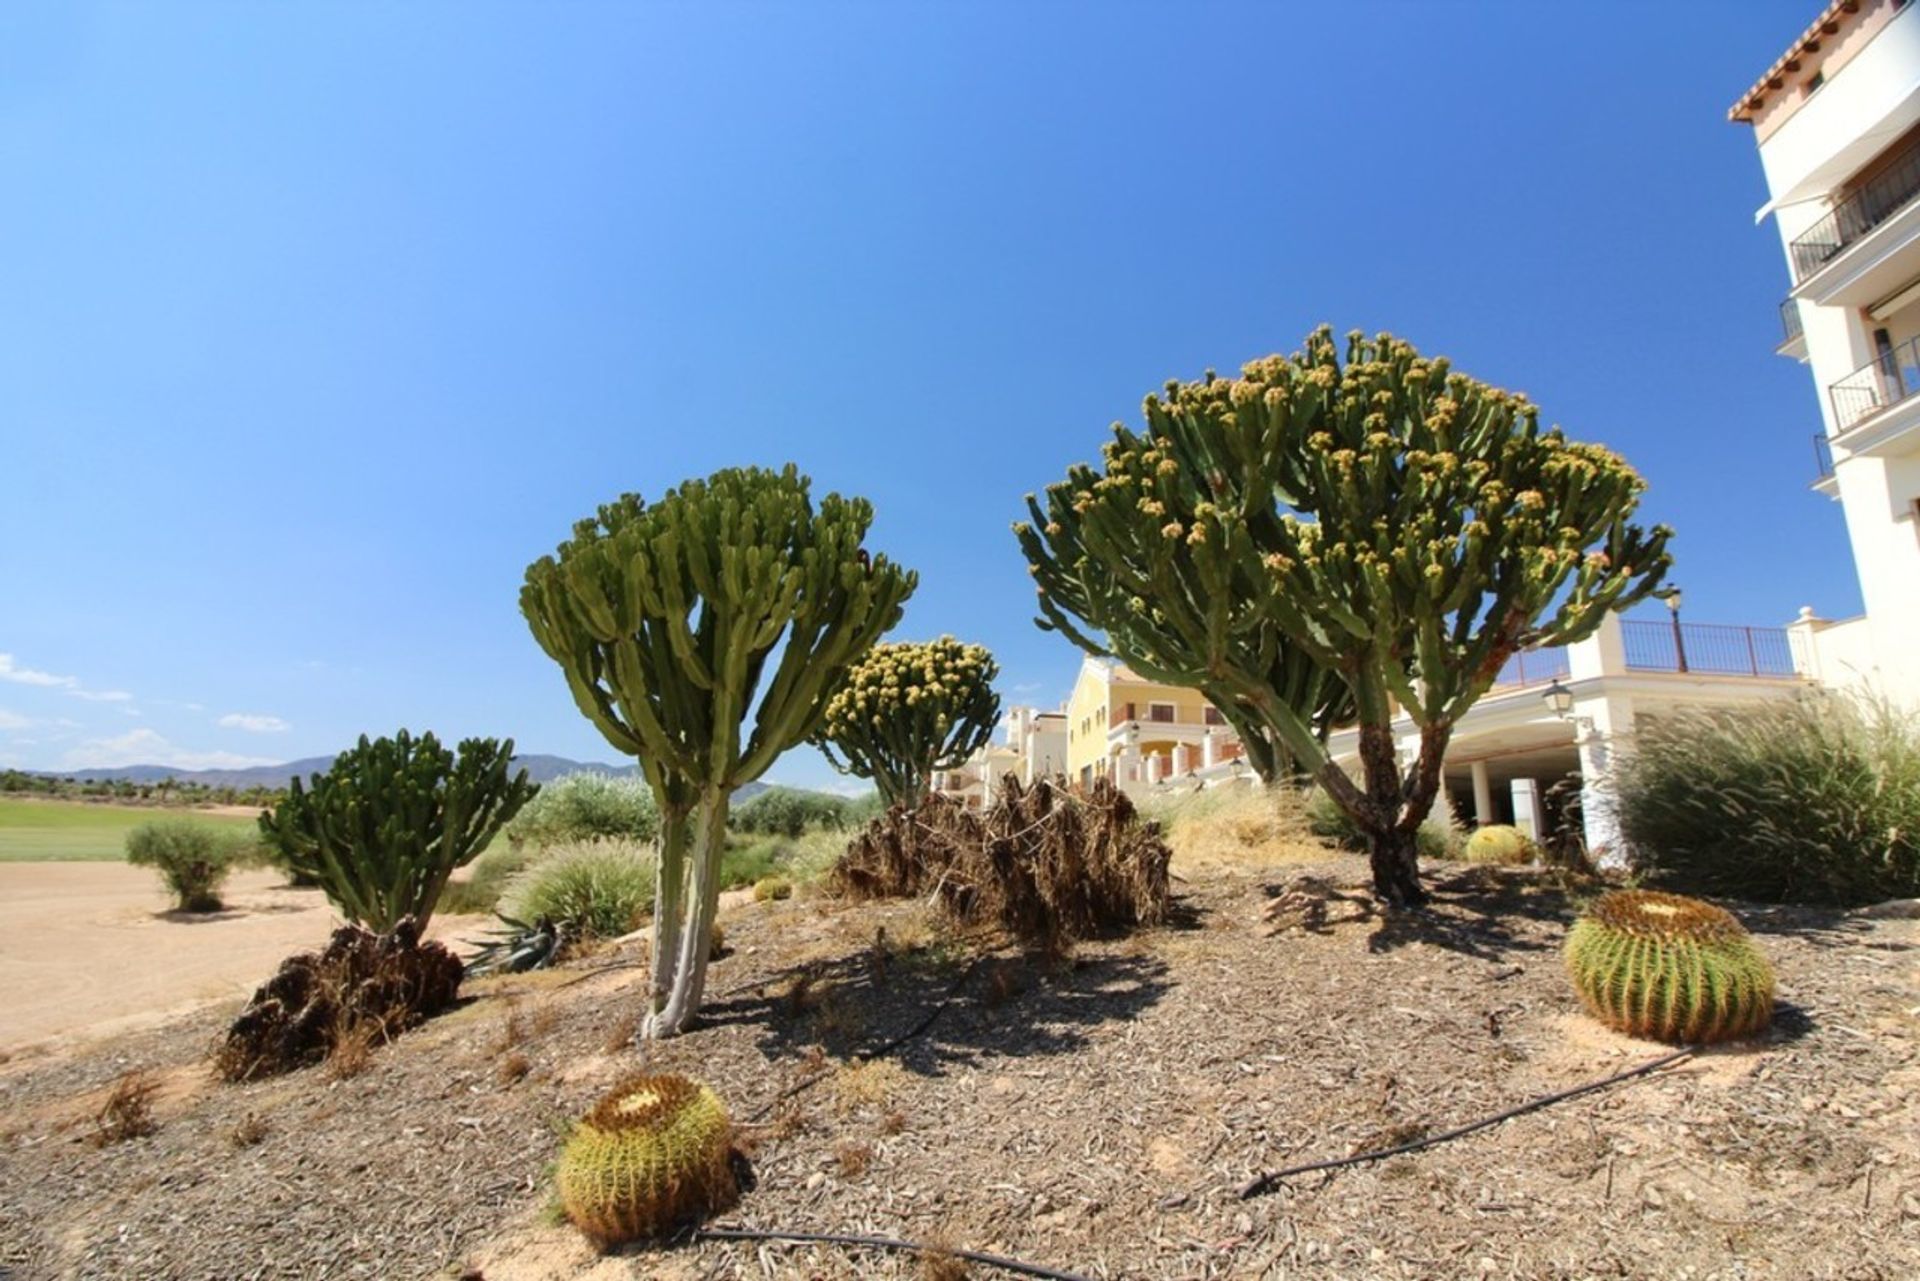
1213,716
1160,712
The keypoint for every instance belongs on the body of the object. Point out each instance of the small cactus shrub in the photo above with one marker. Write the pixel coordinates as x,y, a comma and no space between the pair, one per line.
770,888
653,1154
1499,843
1669,968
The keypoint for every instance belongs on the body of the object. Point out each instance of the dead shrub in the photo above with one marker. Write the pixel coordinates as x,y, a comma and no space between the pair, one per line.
852,1157
513,1068
251,1129
352,1051
1045,863
938,1264
128,1111
894,1122
621,1035
366,988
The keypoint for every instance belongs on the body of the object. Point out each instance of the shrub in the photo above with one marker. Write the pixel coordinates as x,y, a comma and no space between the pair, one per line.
1810,800
655,1153
1238,825
388,823
487,883
364,988
790,811
1046,865
586,807
193,858
771,888
1438,837
1669,968
590,889
1499,843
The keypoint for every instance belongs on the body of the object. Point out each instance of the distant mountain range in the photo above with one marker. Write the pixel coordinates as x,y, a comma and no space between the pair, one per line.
541,769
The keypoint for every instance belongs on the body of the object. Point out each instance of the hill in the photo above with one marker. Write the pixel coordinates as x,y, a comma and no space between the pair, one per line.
540,768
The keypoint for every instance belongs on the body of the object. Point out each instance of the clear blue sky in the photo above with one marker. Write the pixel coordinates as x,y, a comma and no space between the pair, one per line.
317,323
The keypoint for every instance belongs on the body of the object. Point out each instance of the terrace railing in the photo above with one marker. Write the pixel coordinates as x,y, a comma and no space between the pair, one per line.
1887,379
1789,321
1533,667
1823,455
1715,649
1858,212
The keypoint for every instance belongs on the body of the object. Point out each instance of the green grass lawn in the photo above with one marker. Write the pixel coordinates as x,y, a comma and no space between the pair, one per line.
41,831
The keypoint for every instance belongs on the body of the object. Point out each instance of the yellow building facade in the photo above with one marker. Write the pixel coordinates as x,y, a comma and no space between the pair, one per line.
1113,712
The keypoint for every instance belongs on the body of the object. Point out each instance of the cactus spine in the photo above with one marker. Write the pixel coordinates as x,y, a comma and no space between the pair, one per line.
665,619
907,710
1669,968
1377,534
386,825
653,1154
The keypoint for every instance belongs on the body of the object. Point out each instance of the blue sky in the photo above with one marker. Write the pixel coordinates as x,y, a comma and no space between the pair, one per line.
318,323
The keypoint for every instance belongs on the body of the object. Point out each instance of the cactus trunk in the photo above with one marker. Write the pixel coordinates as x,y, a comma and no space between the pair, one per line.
669,906
688,953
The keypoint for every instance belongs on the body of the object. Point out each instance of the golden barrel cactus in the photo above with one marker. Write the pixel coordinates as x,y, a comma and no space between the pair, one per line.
1669,968
1499,843
653,1154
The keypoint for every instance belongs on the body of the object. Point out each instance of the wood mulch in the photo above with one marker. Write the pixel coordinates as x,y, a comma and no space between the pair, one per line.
1096,1115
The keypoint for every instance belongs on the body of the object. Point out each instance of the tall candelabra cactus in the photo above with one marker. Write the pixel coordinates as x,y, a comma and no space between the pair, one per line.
665,619
908,710
1380,529
389,821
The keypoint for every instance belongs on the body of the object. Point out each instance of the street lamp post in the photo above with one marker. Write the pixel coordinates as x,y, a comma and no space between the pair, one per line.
1679,641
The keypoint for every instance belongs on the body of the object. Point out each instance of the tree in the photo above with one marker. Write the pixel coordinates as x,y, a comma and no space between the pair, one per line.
909,709
1395,527
664,620
386,825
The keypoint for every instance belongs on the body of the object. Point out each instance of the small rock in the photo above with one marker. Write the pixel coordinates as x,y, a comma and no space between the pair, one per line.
1652,1196
815,1179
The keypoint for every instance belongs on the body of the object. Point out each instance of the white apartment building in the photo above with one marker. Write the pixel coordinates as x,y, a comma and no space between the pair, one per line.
1837,120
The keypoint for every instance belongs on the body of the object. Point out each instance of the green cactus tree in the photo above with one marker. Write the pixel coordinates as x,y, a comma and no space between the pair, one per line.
908,709
666,619
1381,524
386,825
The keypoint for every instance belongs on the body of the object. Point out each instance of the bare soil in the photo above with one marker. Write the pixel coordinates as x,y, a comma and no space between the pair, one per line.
90,950
1096,1115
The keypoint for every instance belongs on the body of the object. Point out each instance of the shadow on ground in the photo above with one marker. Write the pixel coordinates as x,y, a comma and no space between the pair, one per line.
950,1010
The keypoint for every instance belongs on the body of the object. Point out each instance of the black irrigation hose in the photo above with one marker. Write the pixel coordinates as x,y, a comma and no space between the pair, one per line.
886,1243
1267,1182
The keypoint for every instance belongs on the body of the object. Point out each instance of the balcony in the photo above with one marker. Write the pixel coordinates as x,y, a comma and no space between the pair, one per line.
1823,466
1884,381
1707,649
1533,667
1864,208
1793,341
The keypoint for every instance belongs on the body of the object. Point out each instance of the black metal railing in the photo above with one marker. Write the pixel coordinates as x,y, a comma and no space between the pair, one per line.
1823,455
1858,212
1534,667
1715,649
1887,379
1789,322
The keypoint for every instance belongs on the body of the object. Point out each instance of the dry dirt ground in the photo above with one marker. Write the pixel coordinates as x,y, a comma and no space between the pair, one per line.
89,950
1097,1116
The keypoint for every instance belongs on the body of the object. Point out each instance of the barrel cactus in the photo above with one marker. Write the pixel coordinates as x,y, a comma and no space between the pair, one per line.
653,1154
1499,843
1669,968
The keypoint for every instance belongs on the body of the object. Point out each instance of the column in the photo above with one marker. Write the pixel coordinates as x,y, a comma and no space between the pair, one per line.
1482,795
1526,806
1599,724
